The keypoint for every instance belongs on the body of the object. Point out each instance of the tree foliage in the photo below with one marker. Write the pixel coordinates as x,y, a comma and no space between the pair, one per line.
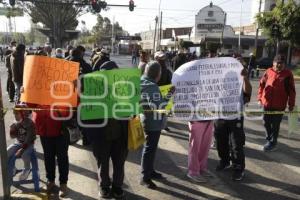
56,16
102,31
287,17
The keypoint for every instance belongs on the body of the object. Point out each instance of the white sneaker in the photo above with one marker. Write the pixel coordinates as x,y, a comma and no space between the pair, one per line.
24,175
206,173
197,178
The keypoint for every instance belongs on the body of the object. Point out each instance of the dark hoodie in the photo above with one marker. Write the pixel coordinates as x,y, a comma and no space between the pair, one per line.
17,64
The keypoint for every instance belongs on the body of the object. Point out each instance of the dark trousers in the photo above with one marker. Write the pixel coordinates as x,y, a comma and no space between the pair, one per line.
56,147
103,150
230,139
272,126
149,151
10,86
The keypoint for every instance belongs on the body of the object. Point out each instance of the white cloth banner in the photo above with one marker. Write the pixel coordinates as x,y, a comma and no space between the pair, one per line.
208,89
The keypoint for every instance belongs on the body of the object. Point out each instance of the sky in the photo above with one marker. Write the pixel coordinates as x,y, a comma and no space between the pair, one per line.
176,13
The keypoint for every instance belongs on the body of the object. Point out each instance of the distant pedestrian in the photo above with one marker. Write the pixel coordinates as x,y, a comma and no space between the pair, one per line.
152,121
276,91
67,52
59,53
134,56
1,54
17,66
251,65
23,130
143,61
179,60
10,86
100,58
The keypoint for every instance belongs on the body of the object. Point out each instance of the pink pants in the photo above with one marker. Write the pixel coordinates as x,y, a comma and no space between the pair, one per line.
199,145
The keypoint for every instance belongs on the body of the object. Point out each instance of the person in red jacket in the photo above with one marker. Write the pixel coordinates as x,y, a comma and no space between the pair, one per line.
276,90
55,144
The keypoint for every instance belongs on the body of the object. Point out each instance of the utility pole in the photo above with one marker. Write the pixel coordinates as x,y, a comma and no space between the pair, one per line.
112,36
278,40
240,26
257,29
160,30
222,36
3,151
154,38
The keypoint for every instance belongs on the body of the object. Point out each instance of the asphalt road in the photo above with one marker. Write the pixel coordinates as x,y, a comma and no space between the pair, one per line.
273,176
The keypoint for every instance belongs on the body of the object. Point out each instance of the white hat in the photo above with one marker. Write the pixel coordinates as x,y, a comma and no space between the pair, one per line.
160,55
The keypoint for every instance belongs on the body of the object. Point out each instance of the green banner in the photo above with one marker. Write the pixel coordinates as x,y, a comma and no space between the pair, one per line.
111,94
164,91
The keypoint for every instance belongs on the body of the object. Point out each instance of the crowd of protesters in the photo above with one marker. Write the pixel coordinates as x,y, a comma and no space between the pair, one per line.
110,141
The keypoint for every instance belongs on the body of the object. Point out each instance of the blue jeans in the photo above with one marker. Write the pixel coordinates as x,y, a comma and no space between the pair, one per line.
26,156
149,151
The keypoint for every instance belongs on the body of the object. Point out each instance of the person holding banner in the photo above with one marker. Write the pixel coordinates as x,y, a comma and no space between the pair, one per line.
110,142
230,137
151,100
276,90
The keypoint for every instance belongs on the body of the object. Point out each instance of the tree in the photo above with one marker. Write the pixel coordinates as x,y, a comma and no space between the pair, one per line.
56,17
287,19
102,31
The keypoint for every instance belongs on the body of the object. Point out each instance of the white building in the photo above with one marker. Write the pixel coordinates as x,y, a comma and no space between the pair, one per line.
210,27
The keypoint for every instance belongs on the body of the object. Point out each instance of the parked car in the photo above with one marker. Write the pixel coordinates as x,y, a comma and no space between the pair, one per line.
264,63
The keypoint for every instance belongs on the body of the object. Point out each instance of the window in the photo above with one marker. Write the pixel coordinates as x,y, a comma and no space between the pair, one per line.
227,46
210,13
245,47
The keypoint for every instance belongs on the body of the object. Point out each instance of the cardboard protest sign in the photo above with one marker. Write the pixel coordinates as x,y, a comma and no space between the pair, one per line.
208,89
49,81
164,91
110,94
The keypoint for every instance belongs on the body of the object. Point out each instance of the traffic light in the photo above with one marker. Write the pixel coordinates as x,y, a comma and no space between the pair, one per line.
131,5
12,2
96,7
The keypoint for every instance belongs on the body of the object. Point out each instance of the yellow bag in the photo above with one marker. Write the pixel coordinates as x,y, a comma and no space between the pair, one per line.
136,135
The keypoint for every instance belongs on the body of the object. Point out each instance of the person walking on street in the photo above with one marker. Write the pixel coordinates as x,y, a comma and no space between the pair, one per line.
1,54
17,67
143,61
151,99
276,91
230,137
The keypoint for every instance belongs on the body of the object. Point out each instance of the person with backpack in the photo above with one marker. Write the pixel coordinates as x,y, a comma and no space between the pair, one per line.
276,91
